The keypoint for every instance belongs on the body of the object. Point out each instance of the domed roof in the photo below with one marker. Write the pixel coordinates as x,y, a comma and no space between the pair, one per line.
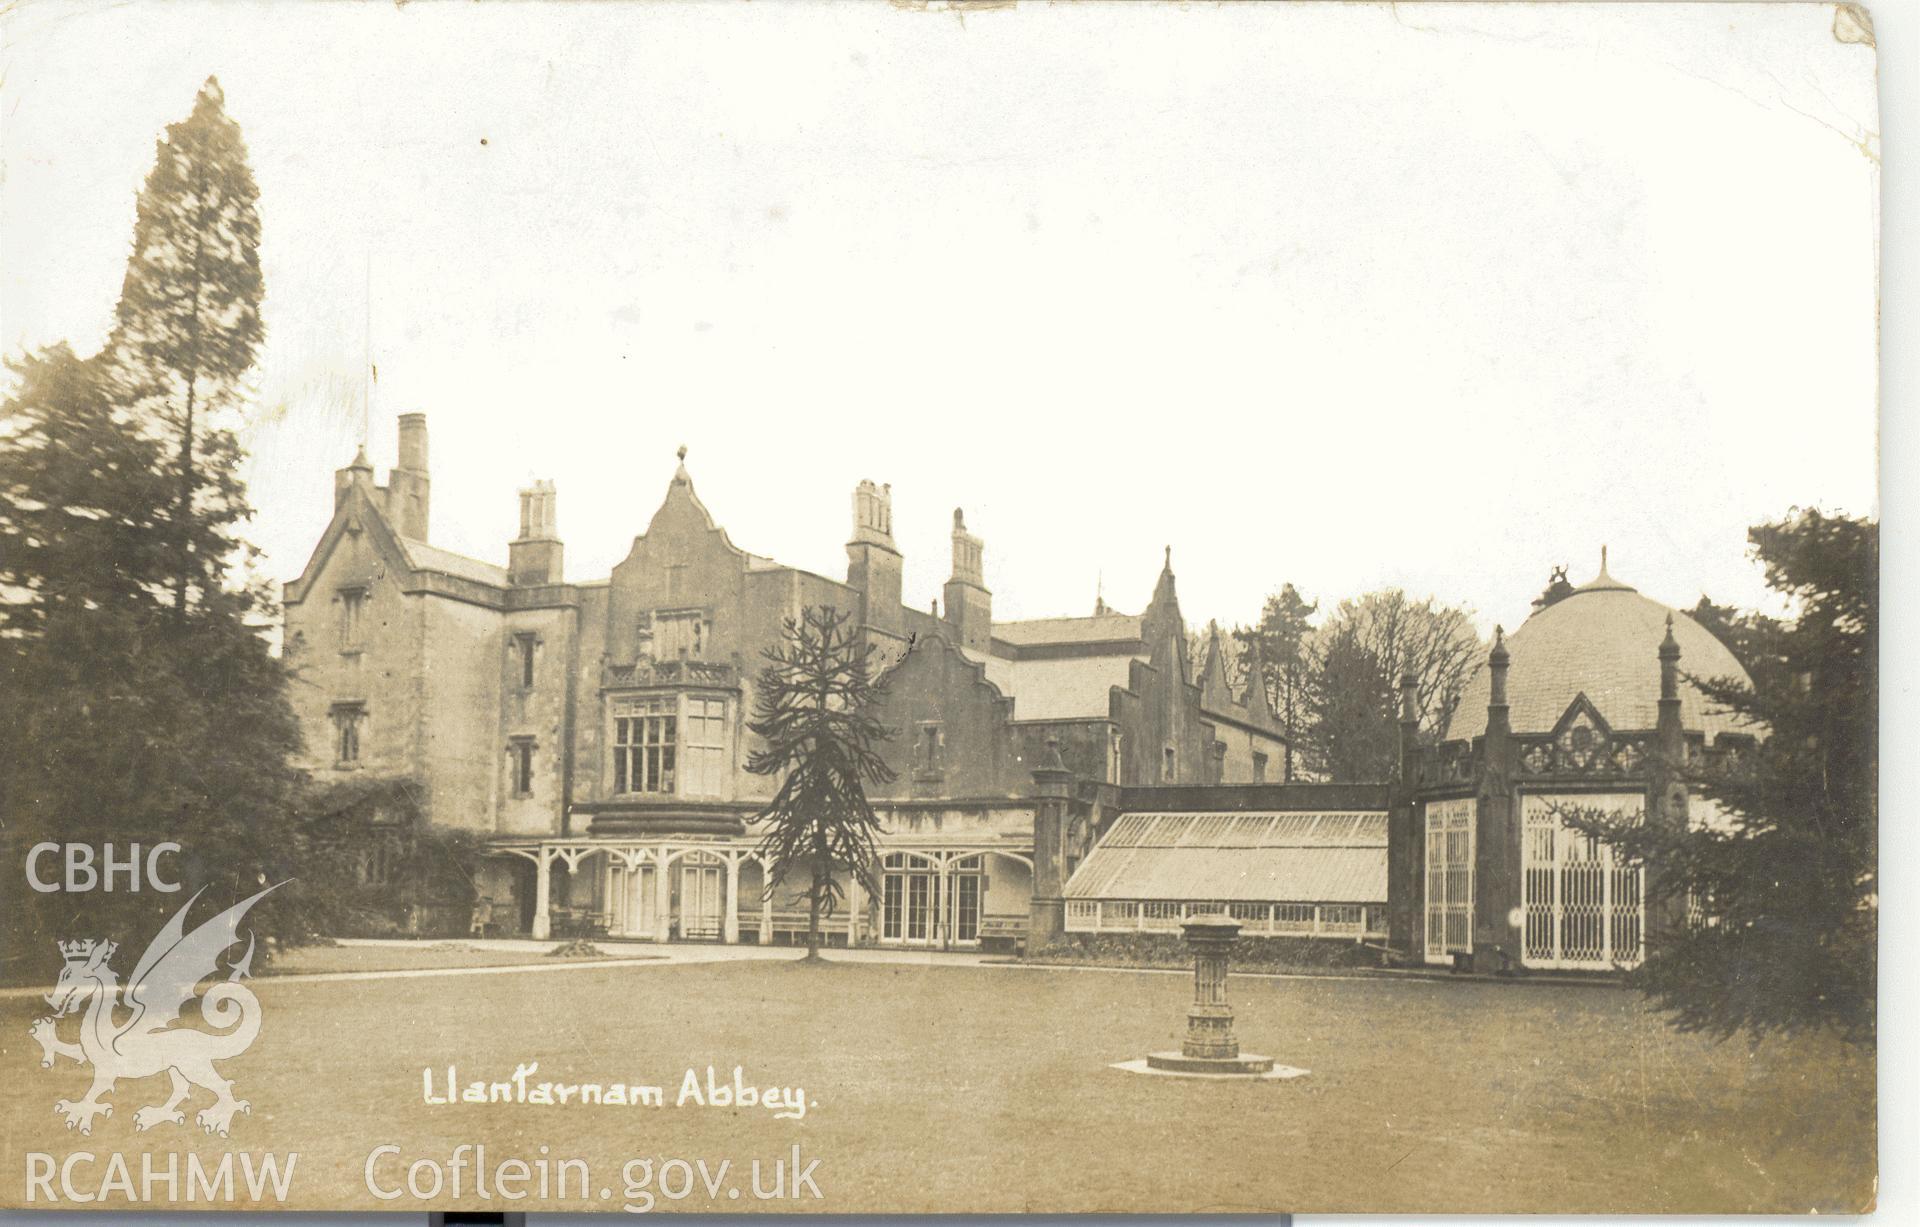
1602,640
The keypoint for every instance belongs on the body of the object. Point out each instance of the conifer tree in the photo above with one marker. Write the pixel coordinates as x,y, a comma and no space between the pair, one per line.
187,325
813,709
1281,638
133,713
1780,902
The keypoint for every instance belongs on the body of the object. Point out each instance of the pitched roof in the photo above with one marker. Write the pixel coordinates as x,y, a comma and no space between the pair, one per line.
1068,688
1603,641
1277,857
1100,628
424,557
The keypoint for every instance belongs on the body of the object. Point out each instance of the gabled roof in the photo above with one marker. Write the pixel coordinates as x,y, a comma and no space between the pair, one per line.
426,557
1100,628
1275,857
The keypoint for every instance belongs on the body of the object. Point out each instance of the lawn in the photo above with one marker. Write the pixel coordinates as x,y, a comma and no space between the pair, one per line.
307,960
988,1089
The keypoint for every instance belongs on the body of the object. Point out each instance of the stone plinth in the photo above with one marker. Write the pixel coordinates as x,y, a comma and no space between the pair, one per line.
1210,1047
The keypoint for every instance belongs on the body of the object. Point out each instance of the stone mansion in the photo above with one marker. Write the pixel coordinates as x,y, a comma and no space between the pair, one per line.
1057,775
594,731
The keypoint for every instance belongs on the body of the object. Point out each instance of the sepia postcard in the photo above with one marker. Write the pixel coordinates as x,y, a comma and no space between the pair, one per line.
939,608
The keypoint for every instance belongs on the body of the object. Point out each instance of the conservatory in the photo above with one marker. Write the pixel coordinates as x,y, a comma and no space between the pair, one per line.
1279,873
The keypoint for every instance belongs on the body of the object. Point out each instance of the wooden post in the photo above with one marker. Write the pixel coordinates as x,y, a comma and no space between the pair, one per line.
766,907
662,896
732,931
542,924
854,904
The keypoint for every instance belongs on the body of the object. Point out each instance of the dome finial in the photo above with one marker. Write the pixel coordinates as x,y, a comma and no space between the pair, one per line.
1603,582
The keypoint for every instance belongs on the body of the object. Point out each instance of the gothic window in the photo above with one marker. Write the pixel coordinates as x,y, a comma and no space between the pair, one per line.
353,610
523,654
348,722
520,763
1167,766
1116,754
1259,768
930,749
381,860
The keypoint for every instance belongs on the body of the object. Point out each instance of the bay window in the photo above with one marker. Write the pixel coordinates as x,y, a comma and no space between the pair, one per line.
674,744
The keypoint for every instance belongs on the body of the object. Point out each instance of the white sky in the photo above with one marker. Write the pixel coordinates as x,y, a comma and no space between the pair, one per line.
1435,296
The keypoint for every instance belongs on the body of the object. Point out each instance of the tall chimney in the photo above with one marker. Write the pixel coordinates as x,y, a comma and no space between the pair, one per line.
873,560
969,604
407,484
535,556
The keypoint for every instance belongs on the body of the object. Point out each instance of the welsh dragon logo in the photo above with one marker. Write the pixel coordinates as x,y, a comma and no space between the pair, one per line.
147,1042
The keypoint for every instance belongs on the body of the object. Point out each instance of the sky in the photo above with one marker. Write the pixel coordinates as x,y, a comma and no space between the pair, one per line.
1347,296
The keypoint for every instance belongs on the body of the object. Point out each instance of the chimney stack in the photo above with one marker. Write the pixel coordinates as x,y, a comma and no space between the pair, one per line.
407,483
873,561
535,557
969,604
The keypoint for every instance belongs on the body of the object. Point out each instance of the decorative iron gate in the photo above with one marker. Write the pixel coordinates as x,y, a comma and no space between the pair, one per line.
1449,879
1582,908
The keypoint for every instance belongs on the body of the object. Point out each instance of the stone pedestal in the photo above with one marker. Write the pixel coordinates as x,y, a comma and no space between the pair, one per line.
1210,1047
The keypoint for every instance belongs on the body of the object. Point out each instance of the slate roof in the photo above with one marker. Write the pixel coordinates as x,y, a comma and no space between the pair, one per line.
1603,641
1273,857
426,557
1100,628
1074,687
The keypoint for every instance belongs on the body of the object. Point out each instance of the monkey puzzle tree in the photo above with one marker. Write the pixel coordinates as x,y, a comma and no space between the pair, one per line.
187,326
813,708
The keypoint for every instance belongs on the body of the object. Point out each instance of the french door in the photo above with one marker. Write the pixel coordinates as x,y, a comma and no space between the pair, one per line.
701,902
915,912
1449,902
1584,908
630,900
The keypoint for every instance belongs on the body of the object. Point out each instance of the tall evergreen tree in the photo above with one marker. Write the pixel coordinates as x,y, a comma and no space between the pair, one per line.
79,497
813,708
133,713
187,326
1281,638
1781,898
